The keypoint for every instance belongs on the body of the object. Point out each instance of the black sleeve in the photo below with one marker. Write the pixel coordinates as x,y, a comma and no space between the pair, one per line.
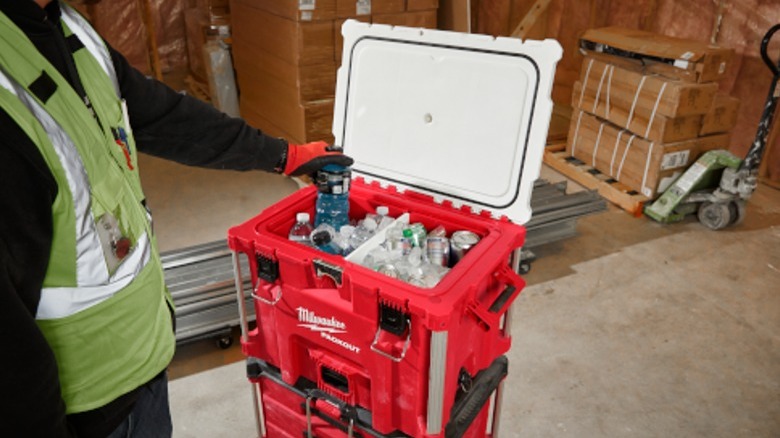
182,128
31,404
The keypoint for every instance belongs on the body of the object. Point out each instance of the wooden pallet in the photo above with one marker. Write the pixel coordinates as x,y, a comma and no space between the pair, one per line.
609,188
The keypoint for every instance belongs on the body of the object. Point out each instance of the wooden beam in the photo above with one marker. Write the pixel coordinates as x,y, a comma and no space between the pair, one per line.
538,8
151,37
717,22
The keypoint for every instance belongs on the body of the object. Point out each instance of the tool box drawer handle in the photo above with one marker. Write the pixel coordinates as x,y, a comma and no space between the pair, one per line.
343,411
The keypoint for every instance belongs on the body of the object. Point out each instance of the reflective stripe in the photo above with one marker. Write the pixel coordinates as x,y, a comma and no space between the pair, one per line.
93,281
59,302
6,83
91,267
92,42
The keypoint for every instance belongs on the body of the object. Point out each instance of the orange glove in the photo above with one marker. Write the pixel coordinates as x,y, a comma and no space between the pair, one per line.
308,158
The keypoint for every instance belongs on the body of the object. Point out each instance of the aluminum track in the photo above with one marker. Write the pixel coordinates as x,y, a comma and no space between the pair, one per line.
200,278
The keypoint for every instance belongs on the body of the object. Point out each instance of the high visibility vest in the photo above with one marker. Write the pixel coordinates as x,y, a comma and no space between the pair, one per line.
104,308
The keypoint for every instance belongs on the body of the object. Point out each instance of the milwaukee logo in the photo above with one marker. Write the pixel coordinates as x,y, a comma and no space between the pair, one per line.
318,323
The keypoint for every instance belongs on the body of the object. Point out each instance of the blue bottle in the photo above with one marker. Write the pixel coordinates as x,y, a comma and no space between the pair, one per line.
332,205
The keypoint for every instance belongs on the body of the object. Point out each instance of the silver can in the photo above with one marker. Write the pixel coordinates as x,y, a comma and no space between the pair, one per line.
389,270
438,250
460,244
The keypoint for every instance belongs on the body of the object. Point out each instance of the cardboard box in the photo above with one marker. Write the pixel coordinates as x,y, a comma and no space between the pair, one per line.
299,123
455,15
296,42
722,117
387,6
307,82
424,19
707,63
646,166
300,10
660,128
353,8
421,5
647,94
644,66
216,11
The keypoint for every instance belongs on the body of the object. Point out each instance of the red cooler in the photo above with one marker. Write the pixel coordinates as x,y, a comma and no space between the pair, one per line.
446,129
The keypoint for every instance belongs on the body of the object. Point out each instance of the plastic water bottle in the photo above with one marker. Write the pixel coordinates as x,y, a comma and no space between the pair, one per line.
324,238
381,217
363,232
301,231
332,206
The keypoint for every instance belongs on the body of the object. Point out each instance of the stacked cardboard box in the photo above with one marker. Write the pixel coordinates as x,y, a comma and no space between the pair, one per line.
286,53
640,119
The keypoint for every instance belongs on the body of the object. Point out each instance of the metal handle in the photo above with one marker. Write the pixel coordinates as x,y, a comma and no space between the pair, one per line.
403,351
774,67
272,302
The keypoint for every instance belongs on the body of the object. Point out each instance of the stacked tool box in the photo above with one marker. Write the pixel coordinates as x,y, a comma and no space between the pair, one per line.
286,53
646,106
342,350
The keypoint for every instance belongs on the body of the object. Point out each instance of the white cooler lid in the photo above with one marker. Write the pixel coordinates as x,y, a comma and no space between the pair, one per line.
457,116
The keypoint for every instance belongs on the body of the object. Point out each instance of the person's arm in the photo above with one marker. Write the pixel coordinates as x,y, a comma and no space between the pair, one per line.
182,128
31,404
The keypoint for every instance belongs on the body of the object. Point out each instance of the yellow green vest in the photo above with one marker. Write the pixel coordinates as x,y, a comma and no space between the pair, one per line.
106,318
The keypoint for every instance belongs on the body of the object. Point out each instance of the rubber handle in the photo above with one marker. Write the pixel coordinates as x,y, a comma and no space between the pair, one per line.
468,407
775,68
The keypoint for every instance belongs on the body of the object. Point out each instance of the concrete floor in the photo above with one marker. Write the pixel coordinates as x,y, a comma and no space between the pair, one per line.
629,329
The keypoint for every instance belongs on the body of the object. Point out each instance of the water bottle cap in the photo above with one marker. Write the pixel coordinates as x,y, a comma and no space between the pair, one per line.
369,224
302,217
382,210
334,168
321,238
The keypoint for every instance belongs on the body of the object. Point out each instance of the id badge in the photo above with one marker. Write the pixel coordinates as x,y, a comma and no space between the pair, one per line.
115,245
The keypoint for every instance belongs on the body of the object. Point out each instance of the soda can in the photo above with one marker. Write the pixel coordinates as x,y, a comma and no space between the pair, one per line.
460,244
438,250
389,269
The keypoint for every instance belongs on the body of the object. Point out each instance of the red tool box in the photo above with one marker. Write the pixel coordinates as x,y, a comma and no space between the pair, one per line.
449,129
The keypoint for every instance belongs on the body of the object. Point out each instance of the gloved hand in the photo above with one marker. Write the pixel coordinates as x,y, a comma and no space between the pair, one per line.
307,158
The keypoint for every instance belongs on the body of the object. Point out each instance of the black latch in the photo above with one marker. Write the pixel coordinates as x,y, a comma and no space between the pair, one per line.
321,267
267,268
392,320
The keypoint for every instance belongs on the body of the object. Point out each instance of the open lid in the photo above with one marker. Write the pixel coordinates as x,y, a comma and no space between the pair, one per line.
457,116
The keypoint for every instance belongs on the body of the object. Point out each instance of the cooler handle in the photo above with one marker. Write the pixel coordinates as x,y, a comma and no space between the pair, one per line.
490,314
465,410
376,350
